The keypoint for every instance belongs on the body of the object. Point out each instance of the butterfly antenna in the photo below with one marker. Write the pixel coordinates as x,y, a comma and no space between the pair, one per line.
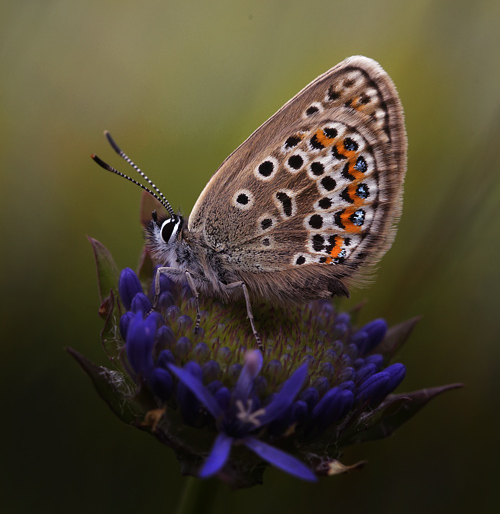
107,167
124,156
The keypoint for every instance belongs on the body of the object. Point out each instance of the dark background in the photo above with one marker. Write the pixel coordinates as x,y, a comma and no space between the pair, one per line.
180,85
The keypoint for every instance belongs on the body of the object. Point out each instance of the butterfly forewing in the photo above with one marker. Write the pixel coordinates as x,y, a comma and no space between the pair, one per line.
319,183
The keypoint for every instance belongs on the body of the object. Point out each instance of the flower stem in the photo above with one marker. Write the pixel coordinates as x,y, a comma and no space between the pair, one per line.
197,496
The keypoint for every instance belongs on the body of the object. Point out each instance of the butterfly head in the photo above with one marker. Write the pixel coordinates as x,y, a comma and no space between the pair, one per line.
163,234
166,230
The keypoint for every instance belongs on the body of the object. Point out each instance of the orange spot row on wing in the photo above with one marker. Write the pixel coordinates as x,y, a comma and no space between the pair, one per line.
335,251
323,139
351,191
348,224
351,156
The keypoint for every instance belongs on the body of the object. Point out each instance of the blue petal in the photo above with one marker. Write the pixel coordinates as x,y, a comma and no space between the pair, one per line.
195,369
322,385
141,303
347,402
397,372
285,396
223,397
187,401
300,412
376,331
251,368
198,389
165,358
140,344
343,317
279,425
161,383
365,372
157,317
214,386
310,396
280,459
128,286
211,369
376,359
218,456
201,352
165,300
349,385
329,409
124,323
374,387
165,337
183,347
361,339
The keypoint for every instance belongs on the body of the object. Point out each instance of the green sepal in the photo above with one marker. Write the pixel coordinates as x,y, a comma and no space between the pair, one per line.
396,410
114,388
107,271
111,339
110,310
372,421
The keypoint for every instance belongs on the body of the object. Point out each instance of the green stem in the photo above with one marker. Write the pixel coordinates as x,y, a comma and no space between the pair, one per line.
197,496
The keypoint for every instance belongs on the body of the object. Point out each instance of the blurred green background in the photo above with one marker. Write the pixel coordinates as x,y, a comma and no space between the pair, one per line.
153,73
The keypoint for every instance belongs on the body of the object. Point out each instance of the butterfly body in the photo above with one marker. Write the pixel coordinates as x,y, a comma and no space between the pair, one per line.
306,206
213,271
309,199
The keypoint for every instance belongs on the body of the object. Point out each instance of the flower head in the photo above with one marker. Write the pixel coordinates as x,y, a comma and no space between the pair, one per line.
227,409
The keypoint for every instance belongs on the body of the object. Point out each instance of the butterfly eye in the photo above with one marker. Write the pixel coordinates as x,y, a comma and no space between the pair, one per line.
170,228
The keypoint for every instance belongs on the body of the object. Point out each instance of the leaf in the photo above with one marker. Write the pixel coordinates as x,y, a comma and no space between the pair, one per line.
395,338
107,271
113,388
394,412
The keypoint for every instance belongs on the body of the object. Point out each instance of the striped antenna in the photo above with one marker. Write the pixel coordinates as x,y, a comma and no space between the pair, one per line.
107,167
125,157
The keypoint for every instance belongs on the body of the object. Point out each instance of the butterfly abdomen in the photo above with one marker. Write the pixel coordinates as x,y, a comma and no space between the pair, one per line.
296,286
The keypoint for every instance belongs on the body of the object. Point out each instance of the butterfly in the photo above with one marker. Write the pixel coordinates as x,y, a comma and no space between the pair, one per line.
304,207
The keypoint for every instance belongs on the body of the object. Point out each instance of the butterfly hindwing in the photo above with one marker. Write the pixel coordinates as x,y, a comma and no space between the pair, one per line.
319,183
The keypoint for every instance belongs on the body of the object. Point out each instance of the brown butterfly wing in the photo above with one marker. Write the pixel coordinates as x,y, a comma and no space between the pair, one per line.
316,191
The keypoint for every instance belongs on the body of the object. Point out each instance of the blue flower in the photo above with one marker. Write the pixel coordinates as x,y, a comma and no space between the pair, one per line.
228,410
250,413
241,418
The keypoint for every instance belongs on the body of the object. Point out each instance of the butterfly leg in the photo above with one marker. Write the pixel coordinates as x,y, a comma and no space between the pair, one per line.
192,286
165,271
243,286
